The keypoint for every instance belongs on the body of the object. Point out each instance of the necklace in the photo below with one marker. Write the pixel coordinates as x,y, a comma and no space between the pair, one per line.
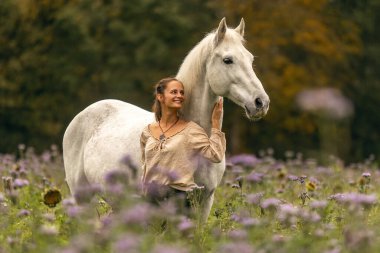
162,136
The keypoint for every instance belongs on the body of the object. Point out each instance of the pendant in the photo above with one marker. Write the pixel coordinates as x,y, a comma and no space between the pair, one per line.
162,137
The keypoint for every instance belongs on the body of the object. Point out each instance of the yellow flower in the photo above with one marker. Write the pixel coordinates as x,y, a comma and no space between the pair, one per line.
310,186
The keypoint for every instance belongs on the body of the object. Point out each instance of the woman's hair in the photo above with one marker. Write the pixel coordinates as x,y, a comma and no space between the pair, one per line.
159,88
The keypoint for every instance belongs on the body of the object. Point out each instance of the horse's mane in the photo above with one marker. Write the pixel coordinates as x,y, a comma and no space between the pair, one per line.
193,66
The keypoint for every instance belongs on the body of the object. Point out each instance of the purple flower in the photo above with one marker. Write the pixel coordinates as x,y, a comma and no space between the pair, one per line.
318,204
271,202
249,222
366,174
328,101
238,234
255,177
74,211
127,243
68,202
255,198
23,212
138,214
185,225
312,217
46,157
116,176
355,199
127,160
237,169
85,193
244,159
293,178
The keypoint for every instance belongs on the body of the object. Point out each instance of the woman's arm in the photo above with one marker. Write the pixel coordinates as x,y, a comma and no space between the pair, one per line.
212,148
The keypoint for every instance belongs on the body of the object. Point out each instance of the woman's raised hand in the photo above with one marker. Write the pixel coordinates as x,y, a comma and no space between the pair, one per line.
217,113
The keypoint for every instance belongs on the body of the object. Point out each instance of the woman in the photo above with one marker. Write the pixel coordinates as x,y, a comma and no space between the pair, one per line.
170,146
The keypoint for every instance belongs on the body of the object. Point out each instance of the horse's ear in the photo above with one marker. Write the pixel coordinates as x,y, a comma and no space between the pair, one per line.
240,27
220,32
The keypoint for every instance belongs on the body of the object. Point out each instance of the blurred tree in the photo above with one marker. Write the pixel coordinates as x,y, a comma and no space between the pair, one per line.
364,89
58,56
298,45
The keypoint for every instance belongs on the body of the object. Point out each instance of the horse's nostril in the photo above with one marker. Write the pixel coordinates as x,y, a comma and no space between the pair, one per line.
259,103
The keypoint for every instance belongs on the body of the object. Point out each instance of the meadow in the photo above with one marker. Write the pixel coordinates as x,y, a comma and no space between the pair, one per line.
263,205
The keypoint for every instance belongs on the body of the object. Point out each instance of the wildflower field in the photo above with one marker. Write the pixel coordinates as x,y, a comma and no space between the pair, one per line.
262,205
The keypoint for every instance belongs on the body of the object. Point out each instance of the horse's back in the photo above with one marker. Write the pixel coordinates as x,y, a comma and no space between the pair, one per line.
99,137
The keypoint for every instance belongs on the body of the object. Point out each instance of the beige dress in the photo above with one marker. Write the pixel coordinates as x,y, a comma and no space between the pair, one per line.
172,162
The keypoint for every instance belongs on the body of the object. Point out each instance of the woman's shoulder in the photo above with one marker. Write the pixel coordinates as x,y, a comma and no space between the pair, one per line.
147,129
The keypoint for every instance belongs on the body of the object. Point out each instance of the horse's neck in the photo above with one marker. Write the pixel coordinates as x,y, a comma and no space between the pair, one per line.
201,105
200,99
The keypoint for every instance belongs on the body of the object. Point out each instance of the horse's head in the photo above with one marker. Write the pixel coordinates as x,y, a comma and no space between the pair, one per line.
230,73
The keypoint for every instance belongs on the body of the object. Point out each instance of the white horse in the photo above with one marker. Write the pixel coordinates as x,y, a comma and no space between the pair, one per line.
103,133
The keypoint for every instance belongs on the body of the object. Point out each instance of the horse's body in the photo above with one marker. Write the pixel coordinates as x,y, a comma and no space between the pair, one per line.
102,134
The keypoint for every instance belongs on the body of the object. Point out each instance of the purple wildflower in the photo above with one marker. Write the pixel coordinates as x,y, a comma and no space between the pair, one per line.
23,212
287,213
318,204
271,202
127,243
185,225
85,193
312,217
244,160
237,169
116,176
138,214
249,222
238,234
328,101
68,202
366,174
293,178
255,198
255,177
355,199
46,157
74,211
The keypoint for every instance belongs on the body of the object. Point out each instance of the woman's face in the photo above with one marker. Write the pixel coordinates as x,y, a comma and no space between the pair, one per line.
174,95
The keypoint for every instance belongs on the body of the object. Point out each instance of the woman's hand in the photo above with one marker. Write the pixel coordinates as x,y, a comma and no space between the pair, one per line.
217,113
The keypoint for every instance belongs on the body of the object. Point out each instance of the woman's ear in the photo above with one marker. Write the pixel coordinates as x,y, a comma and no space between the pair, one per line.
159,97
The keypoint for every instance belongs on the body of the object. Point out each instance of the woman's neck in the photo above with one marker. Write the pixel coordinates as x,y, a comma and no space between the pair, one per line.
168,117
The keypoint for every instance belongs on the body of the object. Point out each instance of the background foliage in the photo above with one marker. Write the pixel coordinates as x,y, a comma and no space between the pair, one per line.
58,56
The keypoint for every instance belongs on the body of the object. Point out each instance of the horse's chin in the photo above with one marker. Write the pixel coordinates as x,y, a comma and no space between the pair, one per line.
255,117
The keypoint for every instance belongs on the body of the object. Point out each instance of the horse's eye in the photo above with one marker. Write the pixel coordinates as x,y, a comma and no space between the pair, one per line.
228,60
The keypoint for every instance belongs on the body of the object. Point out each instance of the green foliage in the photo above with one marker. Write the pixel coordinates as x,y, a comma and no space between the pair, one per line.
252,213
57,57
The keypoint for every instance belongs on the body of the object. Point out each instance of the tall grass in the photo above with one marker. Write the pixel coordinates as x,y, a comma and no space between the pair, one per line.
262,205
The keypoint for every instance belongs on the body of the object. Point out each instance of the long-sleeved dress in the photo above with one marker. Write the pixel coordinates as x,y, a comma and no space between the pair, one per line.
172,161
